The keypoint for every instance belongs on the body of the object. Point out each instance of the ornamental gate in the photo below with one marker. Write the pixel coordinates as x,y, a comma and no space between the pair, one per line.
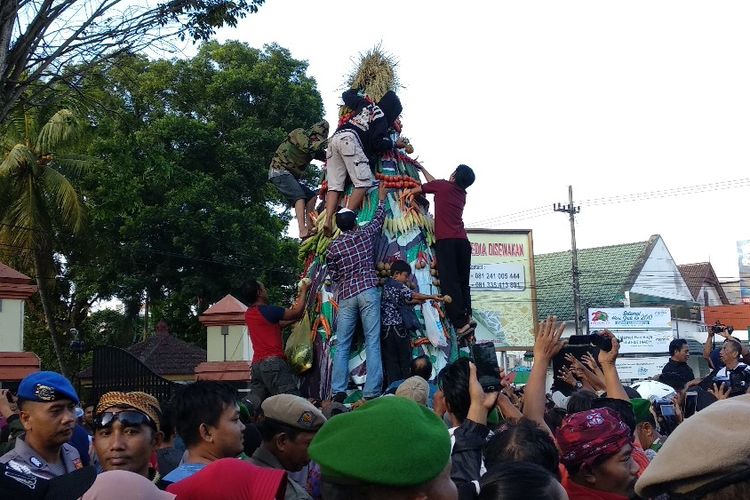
115,369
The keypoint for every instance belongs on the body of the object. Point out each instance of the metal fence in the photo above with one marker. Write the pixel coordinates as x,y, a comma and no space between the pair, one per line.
117,370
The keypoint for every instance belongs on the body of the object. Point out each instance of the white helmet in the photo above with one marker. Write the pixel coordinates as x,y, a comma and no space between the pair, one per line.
653,390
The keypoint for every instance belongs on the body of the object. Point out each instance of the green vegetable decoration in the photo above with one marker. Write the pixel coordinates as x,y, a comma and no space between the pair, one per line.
408,234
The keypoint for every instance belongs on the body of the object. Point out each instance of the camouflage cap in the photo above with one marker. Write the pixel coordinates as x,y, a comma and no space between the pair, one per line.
293,411
320,128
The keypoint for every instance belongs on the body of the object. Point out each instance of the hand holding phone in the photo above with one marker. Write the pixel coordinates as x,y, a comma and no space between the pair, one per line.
488,370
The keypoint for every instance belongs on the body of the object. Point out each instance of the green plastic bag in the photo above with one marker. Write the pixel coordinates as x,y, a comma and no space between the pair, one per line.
299,346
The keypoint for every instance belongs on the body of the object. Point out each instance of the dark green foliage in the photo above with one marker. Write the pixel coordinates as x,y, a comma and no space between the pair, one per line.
180,209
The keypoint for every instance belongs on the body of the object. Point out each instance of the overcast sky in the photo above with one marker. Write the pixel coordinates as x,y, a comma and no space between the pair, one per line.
611,97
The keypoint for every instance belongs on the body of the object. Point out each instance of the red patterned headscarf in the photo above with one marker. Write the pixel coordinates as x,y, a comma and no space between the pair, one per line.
588,435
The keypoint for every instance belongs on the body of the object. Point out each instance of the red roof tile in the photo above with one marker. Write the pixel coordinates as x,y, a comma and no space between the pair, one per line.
15,285
227,371
165,355
696,275
16,365
227,311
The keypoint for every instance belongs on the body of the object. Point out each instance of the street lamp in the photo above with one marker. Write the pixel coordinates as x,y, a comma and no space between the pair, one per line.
78,347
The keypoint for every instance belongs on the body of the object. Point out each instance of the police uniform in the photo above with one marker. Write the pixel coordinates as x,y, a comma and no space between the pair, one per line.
43,387
24,455
296,412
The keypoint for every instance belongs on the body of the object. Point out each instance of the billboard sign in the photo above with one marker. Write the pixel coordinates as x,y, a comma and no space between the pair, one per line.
630,318
644,342
640,368
503,292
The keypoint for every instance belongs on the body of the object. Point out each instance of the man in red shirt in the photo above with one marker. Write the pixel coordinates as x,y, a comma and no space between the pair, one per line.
452,247
271,373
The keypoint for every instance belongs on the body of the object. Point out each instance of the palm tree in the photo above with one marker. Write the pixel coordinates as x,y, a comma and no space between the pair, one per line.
37,202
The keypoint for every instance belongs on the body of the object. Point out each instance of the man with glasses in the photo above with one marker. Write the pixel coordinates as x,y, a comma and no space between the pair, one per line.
127,431
46,401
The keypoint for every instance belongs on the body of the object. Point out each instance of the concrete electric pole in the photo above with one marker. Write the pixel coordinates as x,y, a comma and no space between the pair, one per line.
572,210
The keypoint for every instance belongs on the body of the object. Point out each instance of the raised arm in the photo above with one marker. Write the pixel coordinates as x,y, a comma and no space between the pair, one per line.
428,176
708,347
295,312
546,346
376,224
607,359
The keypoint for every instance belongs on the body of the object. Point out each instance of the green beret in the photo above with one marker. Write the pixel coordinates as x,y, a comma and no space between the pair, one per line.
389,441
640,409
493,417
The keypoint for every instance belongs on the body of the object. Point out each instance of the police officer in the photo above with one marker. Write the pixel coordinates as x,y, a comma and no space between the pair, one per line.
46,401
289,425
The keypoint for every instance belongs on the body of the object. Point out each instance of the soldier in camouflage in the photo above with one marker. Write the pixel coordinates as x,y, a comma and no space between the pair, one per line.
288,168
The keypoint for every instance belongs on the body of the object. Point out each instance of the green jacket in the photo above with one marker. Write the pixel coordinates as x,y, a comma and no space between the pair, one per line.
15,428
295,153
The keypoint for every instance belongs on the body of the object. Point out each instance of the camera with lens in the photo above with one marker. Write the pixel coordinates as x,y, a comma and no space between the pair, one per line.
718,327
666,416
737,381
595,339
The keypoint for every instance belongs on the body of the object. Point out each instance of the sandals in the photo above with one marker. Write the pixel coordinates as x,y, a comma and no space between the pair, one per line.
465,332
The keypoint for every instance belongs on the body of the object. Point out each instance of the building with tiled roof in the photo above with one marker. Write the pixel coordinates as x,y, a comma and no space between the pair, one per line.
640,274
643,271
15,289
703,284
165,354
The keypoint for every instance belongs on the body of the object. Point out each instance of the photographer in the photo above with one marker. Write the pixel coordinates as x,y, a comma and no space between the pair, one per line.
733,379
711,355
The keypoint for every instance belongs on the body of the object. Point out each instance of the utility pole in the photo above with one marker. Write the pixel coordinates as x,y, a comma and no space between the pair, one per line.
572,210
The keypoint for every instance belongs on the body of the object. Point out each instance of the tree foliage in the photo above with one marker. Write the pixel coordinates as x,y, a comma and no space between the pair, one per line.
54,41
38,201
181,212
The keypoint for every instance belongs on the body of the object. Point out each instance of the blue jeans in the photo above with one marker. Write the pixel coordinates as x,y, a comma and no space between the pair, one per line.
367,306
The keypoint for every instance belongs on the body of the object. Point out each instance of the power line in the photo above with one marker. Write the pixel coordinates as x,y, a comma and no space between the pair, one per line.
532,213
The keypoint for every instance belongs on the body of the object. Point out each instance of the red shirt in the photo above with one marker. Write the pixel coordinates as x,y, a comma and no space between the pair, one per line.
579,492
449,209
265,332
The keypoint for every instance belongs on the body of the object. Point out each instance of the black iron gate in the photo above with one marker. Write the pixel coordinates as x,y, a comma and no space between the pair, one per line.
117,370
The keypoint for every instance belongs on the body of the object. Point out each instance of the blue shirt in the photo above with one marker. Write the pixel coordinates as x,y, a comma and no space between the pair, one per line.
433,389
183,471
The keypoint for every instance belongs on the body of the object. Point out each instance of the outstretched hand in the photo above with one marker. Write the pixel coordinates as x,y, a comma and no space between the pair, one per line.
609,357
382,191
548,343
720,391
485,399
589,361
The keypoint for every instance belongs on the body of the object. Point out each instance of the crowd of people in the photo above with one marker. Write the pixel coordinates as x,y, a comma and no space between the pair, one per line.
443,437
415,434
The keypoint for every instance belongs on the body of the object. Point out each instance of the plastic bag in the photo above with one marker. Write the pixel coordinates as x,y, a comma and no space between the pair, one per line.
433,325
299,346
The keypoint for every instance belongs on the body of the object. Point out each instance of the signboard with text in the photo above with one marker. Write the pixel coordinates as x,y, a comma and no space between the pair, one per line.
503,291
641,367
646,342
630,318
508,277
